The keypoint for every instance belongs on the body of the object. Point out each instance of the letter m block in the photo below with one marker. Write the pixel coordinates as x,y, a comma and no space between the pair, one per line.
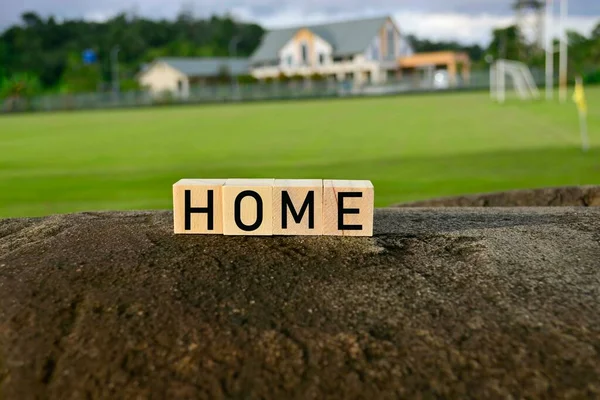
198,206
298,207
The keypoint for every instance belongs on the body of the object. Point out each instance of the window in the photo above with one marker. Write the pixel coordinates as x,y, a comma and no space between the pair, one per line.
321,58
289,60
391,42
304,50
375,50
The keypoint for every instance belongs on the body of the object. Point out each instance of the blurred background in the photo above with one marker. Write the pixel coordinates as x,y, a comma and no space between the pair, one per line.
104,105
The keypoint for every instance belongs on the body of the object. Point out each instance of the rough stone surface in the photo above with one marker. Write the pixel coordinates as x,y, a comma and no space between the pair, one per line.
441,303
571,196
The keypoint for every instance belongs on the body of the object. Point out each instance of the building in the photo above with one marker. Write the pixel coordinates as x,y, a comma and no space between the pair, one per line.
426,67
365,50
176,75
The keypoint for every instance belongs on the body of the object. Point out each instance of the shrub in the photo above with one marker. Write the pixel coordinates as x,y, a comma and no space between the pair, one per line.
20,86
592,77
246,79
283,77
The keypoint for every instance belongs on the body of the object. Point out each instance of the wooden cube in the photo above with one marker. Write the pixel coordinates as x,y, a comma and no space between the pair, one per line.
298,207
348,208
198,206
248,207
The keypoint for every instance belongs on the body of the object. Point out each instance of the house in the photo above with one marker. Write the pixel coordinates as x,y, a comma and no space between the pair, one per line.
450,62
176,75
364,50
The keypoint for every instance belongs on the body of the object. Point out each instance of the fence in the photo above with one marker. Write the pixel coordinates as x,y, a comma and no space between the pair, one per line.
479,80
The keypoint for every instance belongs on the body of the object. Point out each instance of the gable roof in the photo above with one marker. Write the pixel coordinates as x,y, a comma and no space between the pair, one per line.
207,66
346,37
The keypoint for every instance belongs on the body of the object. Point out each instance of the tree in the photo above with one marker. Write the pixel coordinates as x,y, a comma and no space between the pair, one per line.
474,51
44,47
80,78
19,87
507,43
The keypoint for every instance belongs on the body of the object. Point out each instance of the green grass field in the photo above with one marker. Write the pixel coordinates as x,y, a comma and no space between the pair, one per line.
412,147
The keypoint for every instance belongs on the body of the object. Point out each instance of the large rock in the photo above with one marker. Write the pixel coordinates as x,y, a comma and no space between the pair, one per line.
448,303
567,196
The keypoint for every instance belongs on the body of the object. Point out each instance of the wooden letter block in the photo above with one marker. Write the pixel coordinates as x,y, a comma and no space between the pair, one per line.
348,208
197,206
298,207
248,207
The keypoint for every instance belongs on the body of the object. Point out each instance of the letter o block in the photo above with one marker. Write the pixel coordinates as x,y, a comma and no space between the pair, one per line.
298,207
197,206
248,207
348,208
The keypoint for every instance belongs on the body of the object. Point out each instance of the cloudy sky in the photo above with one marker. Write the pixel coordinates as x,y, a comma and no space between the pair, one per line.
468,21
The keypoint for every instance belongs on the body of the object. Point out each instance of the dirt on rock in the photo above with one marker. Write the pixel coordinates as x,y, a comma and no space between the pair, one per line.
568,196
441,303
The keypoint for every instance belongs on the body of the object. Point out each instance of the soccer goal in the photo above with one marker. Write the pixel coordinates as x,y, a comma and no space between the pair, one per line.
512,75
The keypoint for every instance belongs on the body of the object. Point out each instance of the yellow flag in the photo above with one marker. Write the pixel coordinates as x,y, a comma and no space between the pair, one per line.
579,97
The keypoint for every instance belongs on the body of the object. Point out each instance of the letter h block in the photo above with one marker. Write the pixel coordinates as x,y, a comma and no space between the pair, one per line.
248,207
348,208
197,206
298,207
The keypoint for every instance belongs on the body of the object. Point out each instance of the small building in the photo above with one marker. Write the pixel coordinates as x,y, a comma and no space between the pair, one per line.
426,67
364,50
177,74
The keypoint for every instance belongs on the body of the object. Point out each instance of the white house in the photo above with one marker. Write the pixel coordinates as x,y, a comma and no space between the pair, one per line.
177,74
365,50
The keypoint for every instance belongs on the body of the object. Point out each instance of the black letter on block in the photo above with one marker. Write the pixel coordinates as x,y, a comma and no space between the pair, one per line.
198,210
238,210
342,211
286,202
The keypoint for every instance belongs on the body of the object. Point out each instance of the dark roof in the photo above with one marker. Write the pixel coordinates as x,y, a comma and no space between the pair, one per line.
207,66
347,37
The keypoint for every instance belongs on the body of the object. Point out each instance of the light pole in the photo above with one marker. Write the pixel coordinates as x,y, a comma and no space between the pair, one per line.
115,68
233,46
549,51
232,52
563,50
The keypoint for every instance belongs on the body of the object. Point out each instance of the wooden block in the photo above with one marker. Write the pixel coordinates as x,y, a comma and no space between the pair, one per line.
348,208
198,206
298,207
248,207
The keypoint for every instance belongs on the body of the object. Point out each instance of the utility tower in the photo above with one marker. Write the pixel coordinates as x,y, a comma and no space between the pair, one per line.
531,20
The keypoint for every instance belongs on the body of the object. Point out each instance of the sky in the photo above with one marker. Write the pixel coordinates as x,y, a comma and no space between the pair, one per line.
466,21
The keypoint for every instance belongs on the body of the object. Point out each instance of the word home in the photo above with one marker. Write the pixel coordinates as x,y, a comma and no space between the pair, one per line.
266,207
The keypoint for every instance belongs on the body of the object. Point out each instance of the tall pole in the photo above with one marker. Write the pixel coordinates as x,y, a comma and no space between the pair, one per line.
233,46
232,53
115,68
563,51
549,50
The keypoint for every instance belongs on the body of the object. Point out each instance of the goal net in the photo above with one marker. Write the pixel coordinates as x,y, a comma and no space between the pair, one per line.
514,77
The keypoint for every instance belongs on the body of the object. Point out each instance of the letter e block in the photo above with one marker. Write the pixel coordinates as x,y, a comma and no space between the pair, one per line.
197,206
248,207
298,207
348,208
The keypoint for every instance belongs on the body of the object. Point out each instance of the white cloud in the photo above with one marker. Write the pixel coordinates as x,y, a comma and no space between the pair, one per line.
464,28
467,21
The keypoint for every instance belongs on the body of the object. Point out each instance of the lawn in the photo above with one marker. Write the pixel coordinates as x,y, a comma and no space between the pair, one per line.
412,147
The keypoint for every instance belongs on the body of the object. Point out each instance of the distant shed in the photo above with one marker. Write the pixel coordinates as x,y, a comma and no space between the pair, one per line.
454,63
178,74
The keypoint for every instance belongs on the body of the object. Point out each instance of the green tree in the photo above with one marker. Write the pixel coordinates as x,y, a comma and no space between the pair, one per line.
507,43
81,78
23,85
44,47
